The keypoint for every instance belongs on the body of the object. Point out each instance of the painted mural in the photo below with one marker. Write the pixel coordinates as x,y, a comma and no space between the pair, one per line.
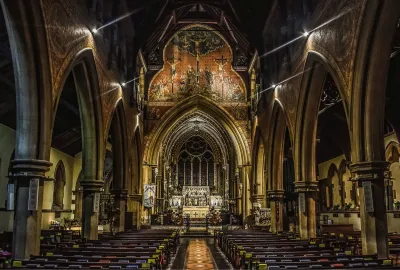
197,61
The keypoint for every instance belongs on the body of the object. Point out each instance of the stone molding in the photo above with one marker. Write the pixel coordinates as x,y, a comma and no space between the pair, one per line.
368,170
306,186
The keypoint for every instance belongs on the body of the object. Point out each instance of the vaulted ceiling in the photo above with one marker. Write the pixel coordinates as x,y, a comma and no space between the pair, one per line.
241,22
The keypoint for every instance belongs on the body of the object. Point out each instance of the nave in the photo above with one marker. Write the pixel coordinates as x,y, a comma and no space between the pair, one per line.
251,134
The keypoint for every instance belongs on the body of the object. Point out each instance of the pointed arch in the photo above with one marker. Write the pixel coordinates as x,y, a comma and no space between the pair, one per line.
370,73
317,67
136,163
59,184
117,128
392,152
259,165
83,70
276,142
202,104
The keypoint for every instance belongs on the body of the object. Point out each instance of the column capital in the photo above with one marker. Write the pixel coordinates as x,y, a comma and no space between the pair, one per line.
120,193
368,170
135,197
92,186
276,194
30,167
257,198
310,186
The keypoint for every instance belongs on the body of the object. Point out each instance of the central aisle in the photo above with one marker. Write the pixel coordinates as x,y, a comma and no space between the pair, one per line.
198,256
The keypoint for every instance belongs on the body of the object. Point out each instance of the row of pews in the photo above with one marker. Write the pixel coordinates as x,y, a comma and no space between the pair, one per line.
261,250
147,249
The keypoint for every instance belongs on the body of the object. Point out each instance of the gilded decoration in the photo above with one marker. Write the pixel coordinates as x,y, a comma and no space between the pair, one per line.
197,61
67,36
336,41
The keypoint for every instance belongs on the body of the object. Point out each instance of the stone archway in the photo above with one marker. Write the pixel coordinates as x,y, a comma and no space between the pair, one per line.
117,163
83,76
368,115
28,43
219,129
259,184
275,170
311,92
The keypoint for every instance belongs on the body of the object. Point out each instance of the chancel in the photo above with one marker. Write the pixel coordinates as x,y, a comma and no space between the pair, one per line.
199,134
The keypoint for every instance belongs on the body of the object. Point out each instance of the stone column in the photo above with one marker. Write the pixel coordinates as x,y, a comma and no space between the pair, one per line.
238,187
159,207
276,201
371,185
246,195
27,223
133,204
308,192
90,211
120,197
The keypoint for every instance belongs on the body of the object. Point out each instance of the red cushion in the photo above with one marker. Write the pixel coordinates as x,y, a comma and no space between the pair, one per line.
337,265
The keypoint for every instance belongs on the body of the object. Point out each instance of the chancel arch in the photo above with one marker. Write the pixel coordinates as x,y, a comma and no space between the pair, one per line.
198,125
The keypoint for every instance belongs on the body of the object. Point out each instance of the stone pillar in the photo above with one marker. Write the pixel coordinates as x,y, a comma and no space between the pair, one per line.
246,195
276,201
371,184
27,223
159,207
133,204
120,197
90,209
238,188
308,192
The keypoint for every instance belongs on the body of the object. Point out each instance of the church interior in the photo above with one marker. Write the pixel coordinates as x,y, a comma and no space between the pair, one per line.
199,134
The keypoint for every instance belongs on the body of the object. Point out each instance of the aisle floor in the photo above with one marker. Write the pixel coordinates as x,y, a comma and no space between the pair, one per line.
199,254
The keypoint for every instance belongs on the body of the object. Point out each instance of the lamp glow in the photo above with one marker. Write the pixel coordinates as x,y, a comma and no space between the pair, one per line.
306,34
94,30
123,84
273,86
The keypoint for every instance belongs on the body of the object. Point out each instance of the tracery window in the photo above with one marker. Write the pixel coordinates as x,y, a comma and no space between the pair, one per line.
196,163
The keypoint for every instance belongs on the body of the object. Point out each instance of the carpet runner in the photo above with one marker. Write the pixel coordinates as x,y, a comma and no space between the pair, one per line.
198,256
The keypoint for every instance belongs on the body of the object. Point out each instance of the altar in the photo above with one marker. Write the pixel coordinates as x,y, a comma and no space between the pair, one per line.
195,211
195,201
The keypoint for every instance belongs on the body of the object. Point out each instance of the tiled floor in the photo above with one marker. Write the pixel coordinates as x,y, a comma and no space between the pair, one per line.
198,256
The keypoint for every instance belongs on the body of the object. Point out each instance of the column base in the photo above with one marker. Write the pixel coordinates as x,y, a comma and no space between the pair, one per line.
120,198
371,184
90,215
27,223
276,200
308,192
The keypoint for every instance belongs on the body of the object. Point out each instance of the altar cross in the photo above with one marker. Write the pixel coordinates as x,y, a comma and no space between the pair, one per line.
197,40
